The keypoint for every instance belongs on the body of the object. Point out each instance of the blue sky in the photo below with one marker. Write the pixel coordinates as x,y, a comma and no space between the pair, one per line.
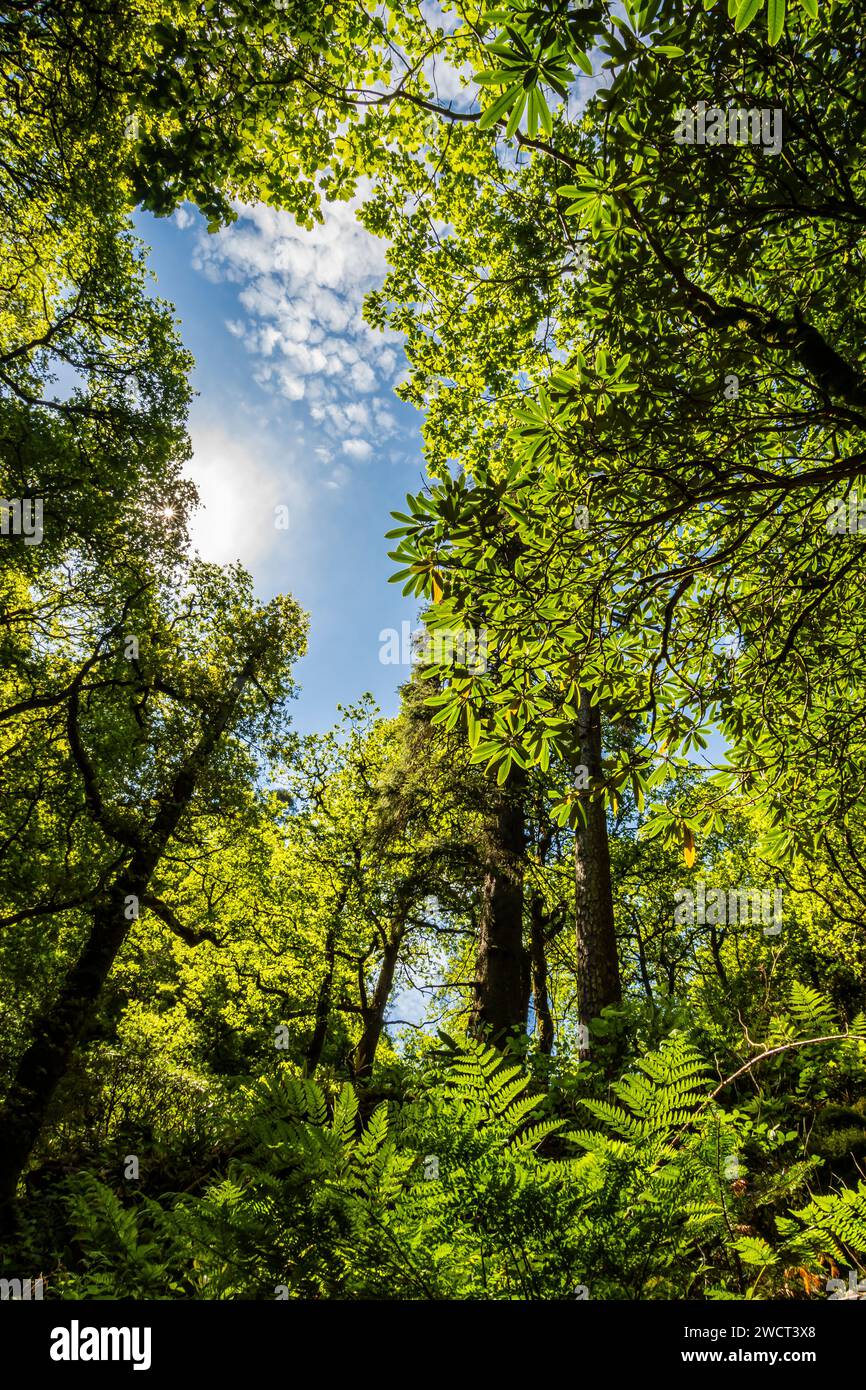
295,408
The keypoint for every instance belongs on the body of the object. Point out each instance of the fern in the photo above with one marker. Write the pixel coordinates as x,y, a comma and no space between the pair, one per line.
833,1224
635,1204
812,1013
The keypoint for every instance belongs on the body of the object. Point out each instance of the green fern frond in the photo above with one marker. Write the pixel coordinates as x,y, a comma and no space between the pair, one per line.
812,1012
533,1136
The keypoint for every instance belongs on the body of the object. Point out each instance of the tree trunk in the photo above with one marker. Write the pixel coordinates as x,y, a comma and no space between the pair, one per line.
716,948
56,1033
538,957
364,1054
324,998
598,980
500,1000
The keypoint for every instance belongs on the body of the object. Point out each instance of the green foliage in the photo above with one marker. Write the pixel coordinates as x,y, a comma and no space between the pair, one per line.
578,288
317,1203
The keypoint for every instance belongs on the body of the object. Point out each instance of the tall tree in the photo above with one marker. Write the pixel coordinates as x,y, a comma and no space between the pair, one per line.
500,995
143,753
598,974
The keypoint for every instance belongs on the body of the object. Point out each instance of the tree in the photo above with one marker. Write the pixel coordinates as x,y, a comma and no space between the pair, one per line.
649,394
500,993
170,738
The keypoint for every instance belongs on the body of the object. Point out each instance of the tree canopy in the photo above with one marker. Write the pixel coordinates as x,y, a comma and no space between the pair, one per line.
492,996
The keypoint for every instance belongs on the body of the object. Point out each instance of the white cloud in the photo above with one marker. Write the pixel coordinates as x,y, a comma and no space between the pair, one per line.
363,377
303,292
387,361
357,449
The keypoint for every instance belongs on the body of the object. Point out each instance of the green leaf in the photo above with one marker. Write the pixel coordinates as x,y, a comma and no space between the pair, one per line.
517,112
753,1250
498,77
775,20
473,727
499,107
746,11
543,110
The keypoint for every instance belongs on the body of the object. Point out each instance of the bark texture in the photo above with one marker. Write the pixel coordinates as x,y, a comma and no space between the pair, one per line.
598,978
538,958
500,988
